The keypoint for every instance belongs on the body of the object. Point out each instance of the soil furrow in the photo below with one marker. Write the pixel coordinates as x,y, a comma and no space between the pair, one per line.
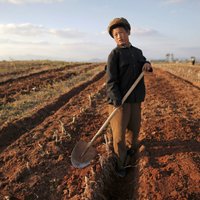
33,82
12,131
37,163
39,148
35,74
16,72
174,136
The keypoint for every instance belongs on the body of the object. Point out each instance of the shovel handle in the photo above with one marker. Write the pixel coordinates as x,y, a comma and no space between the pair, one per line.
113,113
132,87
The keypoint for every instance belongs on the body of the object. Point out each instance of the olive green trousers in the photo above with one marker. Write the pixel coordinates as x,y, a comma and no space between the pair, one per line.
125,127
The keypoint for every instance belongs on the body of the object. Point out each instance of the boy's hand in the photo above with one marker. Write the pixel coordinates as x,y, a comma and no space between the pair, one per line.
147,67
117,103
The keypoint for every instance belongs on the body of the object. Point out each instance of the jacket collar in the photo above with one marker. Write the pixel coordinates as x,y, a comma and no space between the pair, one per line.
124,46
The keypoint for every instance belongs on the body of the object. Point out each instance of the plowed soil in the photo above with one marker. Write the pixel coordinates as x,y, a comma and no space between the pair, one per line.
35,152
12,88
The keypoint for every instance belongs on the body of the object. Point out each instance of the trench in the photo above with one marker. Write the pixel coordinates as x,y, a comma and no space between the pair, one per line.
14,130
12,88
111,187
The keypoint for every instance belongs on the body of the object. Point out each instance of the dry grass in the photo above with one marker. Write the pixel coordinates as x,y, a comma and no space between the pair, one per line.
15,69
184,70
25,105
18,66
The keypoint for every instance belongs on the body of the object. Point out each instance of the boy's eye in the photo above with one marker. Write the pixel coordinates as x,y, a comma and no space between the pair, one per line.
117,34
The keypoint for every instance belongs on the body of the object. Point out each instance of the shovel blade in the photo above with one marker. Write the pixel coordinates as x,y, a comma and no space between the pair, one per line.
77,159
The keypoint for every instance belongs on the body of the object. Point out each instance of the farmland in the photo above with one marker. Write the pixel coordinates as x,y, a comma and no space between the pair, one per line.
47,106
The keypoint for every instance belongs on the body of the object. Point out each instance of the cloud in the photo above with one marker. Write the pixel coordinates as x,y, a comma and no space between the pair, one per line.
71,52
22,29
20,42
21,39
173,1
67,33
144,32
30,30
29,1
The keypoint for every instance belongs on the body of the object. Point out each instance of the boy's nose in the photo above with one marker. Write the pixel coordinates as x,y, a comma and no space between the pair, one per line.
118,36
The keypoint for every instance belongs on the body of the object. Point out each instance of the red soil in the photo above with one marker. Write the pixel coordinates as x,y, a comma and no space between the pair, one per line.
35,153
12,88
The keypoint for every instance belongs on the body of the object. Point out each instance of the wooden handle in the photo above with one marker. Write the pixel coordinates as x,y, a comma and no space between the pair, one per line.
113,113
132,87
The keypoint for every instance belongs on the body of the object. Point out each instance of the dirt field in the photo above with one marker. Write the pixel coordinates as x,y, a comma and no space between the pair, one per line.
35,149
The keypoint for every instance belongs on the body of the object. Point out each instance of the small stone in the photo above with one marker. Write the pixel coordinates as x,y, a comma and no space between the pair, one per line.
60,158
142,149
65,192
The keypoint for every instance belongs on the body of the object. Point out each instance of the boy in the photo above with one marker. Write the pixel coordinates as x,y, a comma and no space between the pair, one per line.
124,65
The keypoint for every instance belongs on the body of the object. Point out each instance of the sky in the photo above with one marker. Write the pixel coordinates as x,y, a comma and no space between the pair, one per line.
76,30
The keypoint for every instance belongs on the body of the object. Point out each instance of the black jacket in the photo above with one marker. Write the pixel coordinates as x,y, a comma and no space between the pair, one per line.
124,65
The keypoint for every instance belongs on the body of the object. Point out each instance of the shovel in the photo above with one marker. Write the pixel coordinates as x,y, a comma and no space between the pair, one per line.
83,152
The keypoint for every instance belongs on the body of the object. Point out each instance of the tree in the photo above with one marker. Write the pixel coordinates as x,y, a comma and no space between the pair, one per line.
167,57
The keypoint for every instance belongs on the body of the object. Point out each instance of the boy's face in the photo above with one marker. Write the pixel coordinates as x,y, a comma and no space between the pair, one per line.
121,36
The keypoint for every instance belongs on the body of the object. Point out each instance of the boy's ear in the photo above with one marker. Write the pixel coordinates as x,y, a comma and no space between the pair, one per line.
129,32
